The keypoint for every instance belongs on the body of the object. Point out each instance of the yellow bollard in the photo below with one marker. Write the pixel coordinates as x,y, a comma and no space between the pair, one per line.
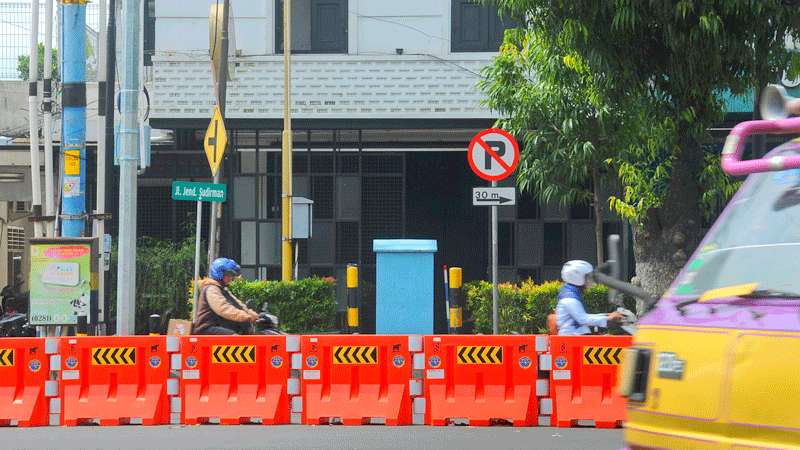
456,301
352,298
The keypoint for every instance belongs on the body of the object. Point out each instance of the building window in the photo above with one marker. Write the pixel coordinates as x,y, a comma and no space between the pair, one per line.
16,239
476,27
318,26
149,36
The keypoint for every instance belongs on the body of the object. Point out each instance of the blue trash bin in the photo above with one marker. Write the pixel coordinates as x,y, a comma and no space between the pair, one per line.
404,286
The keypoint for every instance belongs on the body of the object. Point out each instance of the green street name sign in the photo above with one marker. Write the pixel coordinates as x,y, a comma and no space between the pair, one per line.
199,192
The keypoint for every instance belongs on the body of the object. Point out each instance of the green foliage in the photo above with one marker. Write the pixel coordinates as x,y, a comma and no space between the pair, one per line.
523,307
719,187
164,269
307,305
23,62
659,65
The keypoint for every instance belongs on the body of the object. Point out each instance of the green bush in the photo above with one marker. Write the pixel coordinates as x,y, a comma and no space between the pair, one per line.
163,271
303,306
523,307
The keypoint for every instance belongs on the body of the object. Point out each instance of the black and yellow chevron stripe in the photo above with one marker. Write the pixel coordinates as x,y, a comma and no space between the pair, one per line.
113,356
6,357
233,354
602,355
355,354
480,354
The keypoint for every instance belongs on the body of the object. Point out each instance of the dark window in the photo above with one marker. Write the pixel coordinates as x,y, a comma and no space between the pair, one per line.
554,248
528,207
476,27
581,211
505,243
532,274
346,242
318,26
149,37
323,197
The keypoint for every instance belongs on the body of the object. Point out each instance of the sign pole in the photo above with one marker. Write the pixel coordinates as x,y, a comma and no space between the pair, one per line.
495,293
197,258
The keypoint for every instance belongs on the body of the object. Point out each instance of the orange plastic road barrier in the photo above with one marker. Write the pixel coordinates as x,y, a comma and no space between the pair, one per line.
358,379
235,379
482,380
583,380
24,373
114,380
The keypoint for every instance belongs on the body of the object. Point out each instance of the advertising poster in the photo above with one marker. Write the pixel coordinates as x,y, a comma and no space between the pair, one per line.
60,281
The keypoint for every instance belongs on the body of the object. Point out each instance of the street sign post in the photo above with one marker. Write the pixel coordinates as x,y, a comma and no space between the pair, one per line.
215,141
493,155
198,192
494,196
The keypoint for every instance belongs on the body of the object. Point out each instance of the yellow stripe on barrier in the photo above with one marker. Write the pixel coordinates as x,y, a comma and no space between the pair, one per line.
6,357
595,356
355,354
233,354
479,354
113,356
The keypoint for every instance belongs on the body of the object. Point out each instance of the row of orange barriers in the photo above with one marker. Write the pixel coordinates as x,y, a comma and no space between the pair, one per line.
519,380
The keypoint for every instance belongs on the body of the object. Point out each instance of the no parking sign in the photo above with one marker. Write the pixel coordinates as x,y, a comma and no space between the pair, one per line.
493,154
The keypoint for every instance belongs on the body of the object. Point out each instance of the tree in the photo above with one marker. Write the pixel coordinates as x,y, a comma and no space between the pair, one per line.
23,62
678,56
547,97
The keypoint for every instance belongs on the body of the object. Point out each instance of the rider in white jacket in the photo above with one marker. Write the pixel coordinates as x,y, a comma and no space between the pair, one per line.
571,315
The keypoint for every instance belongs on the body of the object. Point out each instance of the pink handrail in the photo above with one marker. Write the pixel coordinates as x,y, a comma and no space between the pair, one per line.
732,163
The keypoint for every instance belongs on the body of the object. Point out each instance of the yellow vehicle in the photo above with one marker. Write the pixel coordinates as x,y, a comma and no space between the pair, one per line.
716,363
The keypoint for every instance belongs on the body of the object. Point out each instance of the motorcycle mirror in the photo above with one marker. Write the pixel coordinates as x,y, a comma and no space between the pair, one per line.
265,307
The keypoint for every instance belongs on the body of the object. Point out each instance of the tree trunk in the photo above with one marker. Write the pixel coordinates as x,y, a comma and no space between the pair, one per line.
663,243
598,215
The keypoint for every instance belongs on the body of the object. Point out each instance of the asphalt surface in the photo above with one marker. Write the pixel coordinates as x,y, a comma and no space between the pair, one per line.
308,437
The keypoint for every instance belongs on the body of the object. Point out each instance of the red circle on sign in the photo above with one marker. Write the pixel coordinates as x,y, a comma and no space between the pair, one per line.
479,142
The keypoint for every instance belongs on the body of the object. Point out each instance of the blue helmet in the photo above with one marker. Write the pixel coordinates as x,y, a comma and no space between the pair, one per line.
222,266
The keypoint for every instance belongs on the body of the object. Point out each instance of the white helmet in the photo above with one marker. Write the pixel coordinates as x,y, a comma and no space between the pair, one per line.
575,271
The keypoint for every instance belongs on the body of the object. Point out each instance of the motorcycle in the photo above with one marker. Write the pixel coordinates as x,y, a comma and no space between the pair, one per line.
267,324
13,313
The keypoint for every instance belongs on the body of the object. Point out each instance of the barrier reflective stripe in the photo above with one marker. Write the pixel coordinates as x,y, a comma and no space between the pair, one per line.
356,379
24,372
113,356
6,357
355,355
114,380
235,379
480,354
583,380
602,355
233,354
480,379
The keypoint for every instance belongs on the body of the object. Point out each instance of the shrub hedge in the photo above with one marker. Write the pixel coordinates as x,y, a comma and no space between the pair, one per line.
307,305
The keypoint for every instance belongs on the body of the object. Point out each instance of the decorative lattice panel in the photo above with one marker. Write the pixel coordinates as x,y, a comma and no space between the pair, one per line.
325,86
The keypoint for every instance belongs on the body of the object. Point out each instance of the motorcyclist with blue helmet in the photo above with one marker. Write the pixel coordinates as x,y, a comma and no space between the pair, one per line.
571,316
218,310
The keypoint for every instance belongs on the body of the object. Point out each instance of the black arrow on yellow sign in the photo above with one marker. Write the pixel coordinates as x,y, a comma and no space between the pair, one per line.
113,356
6,357
602,355
355,354
479,354
233,354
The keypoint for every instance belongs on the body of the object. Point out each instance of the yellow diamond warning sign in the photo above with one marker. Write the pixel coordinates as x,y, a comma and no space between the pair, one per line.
215,141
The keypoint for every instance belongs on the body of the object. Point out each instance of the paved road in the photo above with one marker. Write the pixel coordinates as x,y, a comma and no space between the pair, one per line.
305,437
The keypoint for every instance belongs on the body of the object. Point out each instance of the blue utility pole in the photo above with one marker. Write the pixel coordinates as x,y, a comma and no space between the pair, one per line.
73,99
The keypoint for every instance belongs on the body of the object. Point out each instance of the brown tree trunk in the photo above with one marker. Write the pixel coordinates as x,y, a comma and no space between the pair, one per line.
670,234
598,215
